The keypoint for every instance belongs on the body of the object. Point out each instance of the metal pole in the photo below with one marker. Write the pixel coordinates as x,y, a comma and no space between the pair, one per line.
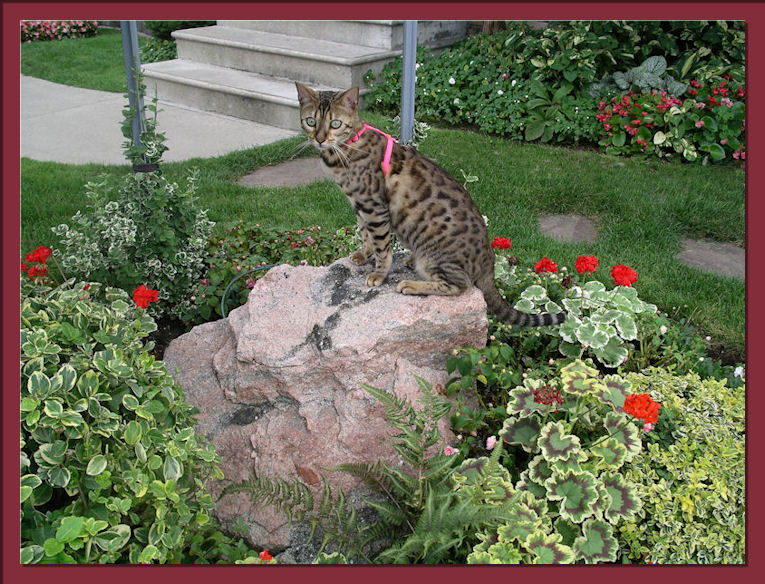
132,70
407,80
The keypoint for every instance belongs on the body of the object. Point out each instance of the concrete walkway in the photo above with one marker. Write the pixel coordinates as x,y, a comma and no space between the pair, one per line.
66,124
60,123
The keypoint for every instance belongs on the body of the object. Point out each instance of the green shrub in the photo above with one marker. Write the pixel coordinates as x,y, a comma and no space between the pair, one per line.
537,85
111,468
570,443
162,29
147,230
49,30
155,50
691,473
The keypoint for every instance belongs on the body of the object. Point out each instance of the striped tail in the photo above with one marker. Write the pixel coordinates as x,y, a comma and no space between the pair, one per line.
506,313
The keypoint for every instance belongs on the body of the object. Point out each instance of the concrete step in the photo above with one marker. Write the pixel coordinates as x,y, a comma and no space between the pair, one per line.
242,94
382,34
311,61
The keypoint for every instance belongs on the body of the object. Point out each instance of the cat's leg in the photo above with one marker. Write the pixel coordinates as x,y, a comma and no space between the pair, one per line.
409,260
361,256
379,232
440,279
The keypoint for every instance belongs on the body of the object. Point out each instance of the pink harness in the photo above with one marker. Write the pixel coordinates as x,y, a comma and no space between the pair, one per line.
388,147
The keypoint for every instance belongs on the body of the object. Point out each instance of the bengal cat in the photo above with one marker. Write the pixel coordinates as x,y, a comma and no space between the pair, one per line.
392,187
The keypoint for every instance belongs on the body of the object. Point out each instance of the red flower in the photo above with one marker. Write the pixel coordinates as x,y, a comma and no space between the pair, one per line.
39,255
501,242
548,395
143,295
545,265
642,406
24,267
741,91
588,264
35,271
265,556
623,275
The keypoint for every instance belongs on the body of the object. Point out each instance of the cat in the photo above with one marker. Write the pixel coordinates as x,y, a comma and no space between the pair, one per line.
395,188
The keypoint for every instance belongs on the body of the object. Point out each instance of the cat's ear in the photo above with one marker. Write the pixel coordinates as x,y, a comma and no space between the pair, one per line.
305,95
349,99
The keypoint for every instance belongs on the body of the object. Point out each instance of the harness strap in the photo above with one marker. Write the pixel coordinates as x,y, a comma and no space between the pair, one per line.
388,146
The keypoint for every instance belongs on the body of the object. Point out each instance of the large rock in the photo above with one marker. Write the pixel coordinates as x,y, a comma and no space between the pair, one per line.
279,382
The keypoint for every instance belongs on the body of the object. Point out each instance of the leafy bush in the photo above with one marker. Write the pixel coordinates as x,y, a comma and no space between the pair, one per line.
536,85
149,231
111,469
572,443
236,261
690,475
48,30
710,122
163,29
155,50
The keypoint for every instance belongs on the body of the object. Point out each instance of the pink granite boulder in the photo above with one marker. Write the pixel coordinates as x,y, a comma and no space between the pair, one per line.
279,382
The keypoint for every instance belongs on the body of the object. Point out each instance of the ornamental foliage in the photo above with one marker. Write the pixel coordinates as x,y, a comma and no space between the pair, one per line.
691,474
546,85
147,230
573,495
111,468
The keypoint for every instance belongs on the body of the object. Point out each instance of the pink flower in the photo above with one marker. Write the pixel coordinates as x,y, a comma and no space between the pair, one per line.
724,141
726,102
647,427
700,124
448,451
700,105
491,441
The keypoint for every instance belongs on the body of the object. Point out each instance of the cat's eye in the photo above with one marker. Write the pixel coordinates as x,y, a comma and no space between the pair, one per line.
310,122
335,124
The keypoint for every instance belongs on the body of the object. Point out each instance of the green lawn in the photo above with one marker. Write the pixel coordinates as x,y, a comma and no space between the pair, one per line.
643,208
93,62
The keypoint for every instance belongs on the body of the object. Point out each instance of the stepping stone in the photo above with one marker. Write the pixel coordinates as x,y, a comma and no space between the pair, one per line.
292,173
721,258
568,227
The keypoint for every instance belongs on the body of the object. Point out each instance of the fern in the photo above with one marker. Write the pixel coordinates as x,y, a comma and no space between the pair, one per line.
294,498
429,513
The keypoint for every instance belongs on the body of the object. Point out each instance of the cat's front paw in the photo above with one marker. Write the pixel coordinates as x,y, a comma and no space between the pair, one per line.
375,279
408,287
358,258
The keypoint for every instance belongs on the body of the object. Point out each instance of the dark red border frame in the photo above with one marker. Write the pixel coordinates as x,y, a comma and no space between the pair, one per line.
752,12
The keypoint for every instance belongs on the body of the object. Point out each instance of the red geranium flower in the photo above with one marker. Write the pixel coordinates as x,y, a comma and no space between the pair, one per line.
642,406
35,271
143,295
545,265
623,275
39,255
24,267
586,264
265,556
501,242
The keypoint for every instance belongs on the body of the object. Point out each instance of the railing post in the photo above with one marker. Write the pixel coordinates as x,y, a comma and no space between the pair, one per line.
407,80
133,70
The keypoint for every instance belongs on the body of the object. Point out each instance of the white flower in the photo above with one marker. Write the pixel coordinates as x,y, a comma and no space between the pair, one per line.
500,92
456,101
491,441
663,329
708,338
452,81
513,82
485,219
738,372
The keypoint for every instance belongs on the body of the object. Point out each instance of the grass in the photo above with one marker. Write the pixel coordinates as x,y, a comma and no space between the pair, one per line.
643,208
93,63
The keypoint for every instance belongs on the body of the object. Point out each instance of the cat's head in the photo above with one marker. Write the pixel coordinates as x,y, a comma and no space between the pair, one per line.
328,117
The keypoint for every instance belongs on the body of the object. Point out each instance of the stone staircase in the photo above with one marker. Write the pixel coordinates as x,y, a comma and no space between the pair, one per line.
248,68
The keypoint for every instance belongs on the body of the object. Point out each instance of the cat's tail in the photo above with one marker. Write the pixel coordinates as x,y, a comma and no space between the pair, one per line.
506,313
